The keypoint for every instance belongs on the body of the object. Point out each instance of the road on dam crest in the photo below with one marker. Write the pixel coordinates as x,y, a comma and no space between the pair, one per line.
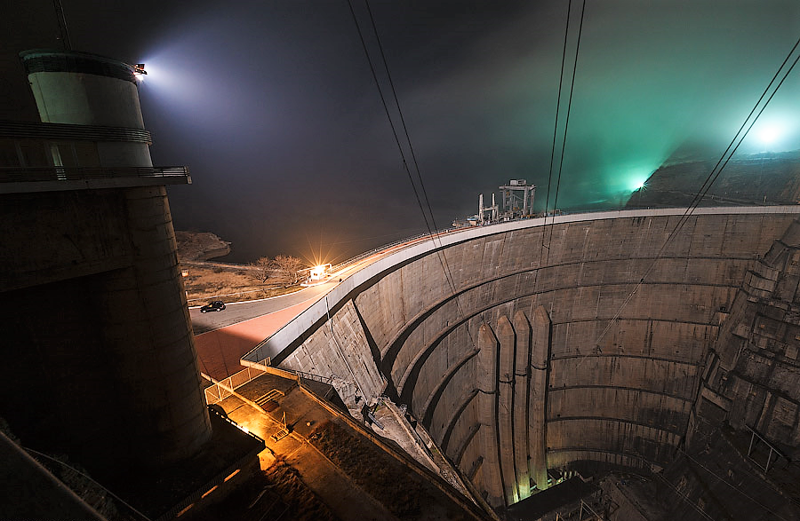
223,337
236,312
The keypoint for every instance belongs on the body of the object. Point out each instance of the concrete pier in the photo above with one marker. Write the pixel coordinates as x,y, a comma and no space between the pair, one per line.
522,383
537,412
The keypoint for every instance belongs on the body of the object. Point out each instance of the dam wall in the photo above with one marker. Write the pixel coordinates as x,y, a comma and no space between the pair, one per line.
524,348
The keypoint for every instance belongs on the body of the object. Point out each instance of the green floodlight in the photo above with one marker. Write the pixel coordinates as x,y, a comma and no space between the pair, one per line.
769,134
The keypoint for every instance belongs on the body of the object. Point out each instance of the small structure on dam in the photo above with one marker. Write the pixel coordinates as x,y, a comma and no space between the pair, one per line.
601,342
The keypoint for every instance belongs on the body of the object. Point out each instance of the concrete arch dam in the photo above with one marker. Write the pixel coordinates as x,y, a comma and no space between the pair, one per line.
540,349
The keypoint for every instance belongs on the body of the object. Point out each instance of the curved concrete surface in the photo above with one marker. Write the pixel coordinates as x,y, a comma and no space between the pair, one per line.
540,349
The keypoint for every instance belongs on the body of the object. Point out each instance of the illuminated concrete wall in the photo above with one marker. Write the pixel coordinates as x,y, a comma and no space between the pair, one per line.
522,369
86,89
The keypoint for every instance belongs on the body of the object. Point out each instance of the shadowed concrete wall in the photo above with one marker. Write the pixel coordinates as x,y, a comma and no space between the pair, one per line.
99,350
753,371
613,372
100,342
749,400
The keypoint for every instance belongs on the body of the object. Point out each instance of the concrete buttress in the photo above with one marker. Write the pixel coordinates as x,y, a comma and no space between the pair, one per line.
521,383
540,355
505,397
486,379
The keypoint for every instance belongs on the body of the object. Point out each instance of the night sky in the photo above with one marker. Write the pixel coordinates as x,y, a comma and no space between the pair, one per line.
273,107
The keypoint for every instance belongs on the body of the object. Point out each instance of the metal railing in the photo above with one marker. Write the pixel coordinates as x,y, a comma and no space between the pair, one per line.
364,255
425,235
70,131
310,376
549,215
220,390
61,173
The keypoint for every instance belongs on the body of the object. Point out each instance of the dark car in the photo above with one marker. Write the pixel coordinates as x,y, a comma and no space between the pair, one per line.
214,305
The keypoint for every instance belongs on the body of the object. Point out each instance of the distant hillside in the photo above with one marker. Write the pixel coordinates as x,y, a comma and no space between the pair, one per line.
200,246
771,179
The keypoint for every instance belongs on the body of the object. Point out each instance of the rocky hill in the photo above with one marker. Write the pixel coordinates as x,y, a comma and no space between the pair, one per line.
772,179
200,246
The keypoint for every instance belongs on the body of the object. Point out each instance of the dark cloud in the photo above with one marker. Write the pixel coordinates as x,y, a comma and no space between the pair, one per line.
273,106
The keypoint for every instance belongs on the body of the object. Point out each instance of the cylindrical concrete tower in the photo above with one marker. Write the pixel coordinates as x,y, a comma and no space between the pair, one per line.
86,89
100,349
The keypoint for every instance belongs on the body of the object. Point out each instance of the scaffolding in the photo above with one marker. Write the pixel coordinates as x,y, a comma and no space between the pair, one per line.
518,198
517,204
482,211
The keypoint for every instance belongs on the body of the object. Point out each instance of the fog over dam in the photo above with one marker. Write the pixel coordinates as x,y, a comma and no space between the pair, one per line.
524,347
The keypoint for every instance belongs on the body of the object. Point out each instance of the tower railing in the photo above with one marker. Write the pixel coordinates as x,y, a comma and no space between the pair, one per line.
62,173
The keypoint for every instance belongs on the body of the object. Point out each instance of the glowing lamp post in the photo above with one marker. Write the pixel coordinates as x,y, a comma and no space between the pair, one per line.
318,272
316,275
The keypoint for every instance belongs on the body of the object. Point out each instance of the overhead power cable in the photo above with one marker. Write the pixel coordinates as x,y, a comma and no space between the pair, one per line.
566,125
569,108
388,115
726,156
555,126
400,113
442,258
434,236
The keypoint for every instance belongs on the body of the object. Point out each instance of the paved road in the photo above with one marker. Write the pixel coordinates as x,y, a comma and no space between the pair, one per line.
240,311
223,337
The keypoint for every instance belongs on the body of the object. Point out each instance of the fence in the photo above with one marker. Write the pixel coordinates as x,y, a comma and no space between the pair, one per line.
220,390
361,256
310,376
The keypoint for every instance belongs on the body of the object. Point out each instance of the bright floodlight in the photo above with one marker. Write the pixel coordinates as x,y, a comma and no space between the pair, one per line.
638,184
769,134
318,272
138,72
